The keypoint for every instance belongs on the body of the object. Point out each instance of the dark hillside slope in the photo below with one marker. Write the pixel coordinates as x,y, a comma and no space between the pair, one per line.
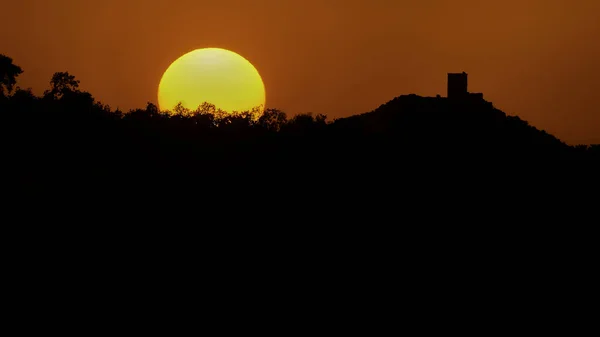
465,130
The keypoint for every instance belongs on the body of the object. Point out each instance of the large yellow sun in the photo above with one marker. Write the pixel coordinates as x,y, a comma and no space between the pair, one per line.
214,75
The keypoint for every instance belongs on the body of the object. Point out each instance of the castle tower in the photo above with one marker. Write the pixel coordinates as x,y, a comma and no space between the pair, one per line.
457,85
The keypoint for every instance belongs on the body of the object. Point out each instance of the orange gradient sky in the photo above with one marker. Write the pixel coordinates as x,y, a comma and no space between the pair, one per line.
538,59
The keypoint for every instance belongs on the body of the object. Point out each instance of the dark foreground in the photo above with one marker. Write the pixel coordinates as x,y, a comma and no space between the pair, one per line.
423,214
414,159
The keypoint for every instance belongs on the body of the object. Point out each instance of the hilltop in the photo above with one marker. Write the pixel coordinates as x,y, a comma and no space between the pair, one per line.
439,126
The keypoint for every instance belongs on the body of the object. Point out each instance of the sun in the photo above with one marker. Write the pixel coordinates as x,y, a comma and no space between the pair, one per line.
214,75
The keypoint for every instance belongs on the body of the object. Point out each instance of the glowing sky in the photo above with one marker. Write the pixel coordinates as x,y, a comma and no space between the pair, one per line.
538,59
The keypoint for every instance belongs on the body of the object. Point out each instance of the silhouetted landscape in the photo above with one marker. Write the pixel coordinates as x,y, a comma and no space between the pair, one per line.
438,190
435,163
412,150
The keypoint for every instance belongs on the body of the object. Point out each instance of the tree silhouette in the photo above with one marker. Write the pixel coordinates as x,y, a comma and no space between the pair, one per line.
8,75
306,123
152,108
61,84
180,110
272,120
206,108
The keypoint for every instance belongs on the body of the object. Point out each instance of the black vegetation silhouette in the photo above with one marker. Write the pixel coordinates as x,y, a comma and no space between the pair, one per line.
8,75
431,196
443,150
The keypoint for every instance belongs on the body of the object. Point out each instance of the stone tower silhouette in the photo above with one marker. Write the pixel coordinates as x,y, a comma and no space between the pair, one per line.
457,85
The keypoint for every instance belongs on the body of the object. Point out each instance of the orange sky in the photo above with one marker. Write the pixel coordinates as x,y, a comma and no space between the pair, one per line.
538,59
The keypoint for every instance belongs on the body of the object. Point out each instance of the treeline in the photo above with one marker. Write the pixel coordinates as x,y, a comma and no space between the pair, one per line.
414,180
66,135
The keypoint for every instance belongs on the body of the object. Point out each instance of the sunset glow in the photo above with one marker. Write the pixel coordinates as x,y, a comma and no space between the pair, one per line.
212,75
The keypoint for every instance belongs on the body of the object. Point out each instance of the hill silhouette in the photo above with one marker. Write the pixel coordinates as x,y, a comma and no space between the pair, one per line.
446,192
67,144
